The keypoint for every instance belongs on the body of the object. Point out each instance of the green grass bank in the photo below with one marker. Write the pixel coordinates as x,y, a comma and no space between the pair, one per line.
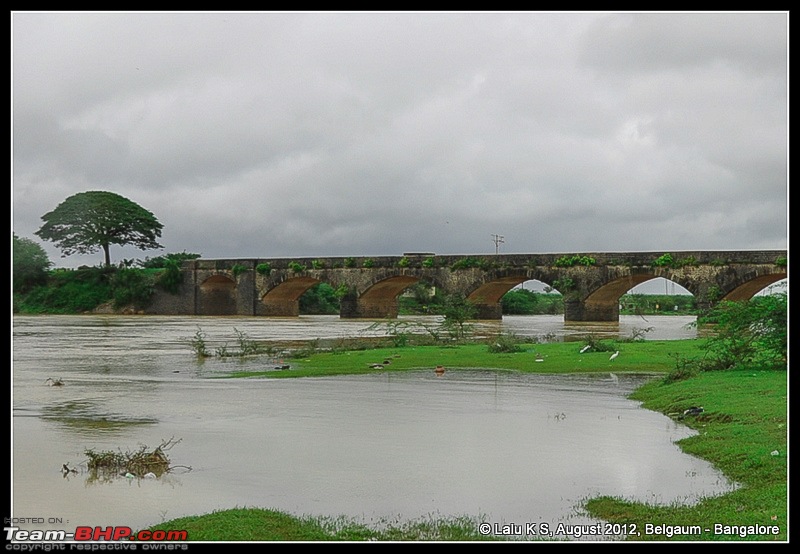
742,431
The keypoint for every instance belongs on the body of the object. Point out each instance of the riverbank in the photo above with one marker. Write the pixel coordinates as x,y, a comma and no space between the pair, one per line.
553,357
742,431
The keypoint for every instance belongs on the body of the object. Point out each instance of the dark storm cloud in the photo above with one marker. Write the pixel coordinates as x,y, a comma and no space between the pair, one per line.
313,134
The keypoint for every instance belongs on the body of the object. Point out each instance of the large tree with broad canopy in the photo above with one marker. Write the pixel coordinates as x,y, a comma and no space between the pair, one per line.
88,221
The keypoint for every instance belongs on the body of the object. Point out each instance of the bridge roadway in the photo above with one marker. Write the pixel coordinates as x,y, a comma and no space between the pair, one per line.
591,283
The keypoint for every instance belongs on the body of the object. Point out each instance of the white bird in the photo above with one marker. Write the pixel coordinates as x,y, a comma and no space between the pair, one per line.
585,348
614,355
149,475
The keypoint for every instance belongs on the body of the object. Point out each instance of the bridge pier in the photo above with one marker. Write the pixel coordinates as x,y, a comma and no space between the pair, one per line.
489,311
592,283
352,308
577,310
279,308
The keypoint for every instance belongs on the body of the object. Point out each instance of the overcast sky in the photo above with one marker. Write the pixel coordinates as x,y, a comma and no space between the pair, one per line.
343,134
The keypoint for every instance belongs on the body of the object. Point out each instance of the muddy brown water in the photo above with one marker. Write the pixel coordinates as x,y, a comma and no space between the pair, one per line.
500,447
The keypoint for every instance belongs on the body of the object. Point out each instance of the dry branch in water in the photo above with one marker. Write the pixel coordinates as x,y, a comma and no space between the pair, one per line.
131,464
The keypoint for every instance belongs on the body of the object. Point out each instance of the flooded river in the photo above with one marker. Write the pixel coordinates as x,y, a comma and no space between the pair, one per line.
504,447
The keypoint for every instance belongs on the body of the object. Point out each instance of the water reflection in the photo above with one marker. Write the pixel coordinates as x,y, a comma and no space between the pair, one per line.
377,447
89,416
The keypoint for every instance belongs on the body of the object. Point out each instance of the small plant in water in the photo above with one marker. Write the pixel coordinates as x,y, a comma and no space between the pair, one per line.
199,345
247,346
637,334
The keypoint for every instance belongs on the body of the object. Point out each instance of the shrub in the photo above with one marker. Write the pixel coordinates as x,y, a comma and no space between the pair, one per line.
198,343
564,284
320,299
683,262
297,267
171,278
570,261
505,343
684,369
30,264
161,261
131,287
599,345
752,334
264,268
470,262
664,260
237,270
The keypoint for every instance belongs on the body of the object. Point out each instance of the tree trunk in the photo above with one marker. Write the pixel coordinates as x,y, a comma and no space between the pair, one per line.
108,256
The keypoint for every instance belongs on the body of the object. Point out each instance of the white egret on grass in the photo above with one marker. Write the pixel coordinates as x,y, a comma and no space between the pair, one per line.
614,355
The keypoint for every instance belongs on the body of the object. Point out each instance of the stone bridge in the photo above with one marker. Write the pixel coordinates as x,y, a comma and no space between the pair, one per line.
591,283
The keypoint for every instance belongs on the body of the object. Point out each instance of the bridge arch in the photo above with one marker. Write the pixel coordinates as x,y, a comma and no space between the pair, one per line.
602,302
749,288
486,289
590,283
379,297
217,295
487,296
283,299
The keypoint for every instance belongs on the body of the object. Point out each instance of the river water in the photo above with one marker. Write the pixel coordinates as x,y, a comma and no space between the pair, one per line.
504,447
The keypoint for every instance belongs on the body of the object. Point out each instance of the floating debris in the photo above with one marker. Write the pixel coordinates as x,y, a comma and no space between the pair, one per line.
140,463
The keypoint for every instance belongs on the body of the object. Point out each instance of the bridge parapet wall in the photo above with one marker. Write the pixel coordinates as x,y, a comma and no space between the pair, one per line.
591,283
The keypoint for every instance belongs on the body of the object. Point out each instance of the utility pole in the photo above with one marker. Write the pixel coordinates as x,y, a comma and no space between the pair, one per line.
498,240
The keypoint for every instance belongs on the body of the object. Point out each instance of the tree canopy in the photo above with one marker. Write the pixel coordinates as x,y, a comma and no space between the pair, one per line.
30,264
748,334
93,220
